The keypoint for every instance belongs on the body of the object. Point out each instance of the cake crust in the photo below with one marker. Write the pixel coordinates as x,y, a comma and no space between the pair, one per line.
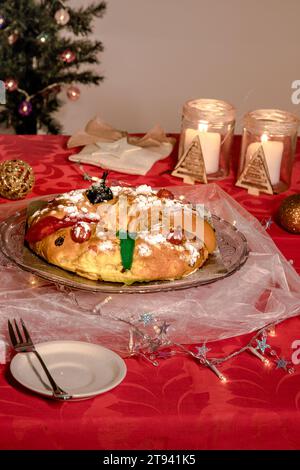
84,238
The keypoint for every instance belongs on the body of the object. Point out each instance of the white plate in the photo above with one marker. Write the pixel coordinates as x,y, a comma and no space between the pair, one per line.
81,369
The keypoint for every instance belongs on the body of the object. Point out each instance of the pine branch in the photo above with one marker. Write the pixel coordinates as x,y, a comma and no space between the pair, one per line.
86,77
80,21
53,126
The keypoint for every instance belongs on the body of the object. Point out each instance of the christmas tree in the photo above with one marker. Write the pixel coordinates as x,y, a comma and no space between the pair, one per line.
37,59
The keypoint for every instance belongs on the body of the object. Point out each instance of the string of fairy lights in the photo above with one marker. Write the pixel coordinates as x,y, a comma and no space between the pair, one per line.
148,338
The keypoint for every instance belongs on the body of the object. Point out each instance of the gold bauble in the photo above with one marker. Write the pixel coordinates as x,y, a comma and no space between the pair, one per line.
16,179
289,214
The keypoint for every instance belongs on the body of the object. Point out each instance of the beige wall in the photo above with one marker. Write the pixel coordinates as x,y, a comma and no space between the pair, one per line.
159,53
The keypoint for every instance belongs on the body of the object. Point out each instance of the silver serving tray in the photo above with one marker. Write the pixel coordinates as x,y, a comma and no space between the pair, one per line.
232,254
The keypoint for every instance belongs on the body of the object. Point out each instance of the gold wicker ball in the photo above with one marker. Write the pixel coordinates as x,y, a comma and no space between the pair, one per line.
289,214
16,179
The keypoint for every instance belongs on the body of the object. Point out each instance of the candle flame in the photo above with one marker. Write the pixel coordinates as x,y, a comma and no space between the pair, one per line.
203,126
264,138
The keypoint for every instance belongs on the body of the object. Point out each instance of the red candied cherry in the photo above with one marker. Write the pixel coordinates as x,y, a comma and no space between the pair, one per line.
81,232
165,193
176,236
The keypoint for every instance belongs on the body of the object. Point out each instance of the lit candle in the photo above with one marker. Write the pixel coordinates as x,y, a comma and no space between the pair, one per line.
273,151
210,144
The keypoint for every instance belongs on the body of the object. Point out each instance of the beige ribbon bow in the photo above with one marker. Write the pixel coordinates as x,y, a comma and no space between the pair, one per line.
97,131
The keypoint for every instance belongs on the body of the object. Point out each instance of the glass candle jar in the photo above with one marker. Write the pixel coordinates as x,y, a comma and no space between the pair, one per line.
276,131
213,122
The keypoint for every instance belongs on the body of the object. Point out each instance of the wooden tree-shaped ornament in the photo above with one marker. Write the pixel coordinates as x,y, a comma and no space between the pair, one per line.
255,176
191,166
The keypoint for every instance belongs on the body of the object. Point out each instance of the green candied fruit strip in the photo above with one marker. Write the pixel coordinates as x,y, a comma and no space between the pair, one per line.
127,245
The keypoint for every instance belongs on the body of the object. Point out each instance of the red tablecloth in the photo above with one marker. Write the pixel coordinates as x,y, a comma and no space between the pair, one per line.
177,405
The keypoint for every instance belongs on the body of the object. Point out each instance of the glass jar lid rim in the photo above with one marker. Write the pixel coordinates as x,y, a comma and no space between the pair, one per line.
212,110
275,120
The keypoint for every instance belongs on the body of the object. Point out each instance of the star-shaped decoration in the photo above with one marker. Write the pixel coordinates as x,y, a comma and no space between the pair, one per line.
268,223
262,345
281,363
202,350
146,318
163,328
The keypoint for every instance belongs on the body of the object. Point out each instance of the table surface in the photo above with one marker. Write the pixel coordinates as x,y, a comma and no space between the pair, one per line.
177,405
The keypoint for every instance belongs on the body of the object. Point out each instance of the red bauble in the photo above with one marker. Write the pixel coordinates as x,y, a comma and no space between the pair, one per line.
11,84
68,56
13,37
73,93
62,17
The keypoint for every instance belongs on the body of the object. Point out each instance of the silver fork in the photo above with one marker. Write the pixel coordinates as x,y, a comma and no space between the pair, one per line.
24,344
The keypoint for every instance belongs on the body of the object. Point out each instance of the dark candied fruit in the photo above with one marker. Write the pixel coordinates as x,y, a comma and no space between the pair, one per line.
59,241
99,192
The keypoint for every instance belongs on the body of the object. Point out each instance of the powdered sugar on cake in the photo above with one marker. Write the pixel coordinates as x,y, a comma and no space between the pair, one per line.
153,238
193,253
106,245
144,250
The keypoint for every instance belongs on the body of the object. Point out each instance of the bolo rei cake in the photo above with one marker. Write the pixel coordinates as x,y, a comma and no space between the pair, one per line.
119,234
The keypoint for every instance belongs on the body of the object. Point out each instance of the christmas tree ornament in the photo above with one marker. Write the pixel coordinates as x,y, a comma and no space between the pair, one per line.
11,84
16,179
13,37
62,17
289,214
68,56
31,44
255,176
73,93
43,38
191,166
2,22
25,108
